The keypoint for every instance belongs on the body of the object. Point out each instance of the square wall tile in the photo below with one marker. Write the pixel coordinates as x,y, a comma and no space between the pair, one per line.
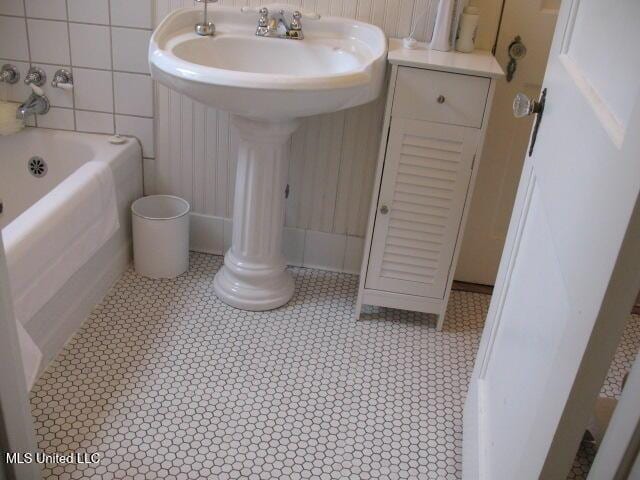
13,39
132,13
141,128
324,250
57,96
58,118
89,11
130,49
90,46
12,7
49,42
93,122
93,89
50,9
134,94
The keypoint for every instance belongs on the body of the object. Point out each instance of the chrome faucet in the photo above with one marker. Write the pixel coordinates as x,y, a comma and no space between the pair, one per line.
277,26
205,28
36,104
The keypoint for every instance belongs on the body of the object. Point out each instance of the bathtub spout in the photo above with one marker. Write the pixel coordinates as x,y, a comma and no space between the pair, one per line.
35,105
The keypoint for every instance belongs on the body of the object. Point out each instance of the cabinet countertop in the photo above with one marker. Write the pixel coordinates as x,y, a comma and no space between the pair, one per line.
479,62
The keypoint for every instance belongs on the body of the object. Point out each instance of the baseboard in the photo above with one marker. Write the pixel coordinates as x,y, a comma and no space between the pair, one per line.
472,287
302,248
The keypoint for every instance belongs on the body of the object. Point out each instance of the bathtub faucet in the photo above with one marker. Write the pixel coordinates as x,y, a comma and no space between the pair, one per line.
36,104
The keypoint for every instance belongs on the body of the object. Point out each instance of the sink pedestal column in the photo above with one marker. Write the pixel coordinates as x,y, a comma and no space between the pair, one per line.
253,276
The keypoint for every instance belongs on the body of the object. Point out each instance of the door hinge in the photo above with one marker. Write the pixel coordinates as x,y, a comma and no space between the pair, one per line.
286,191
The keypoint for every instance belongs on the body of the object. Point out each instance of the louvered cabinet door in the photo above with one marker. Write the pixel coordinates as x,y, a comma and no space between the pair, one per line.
424,185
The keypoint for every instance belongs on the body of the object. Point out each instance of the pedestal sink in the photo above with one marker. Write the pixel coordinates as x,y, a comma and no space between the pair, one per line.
267,84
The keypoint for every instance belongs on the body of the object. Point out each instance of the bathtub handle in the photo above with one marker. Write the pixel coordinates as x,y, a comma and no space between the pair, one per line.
63,79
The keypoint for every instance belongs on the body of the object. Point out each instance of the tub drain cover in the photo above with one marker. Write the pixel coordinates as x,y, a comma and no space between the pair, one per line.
37,166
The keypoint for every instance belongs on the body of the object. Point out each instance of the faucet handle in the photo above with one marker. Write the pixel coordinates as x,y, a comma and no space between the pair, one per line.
36,90
35,76
296,24
264,17
9,74
63,79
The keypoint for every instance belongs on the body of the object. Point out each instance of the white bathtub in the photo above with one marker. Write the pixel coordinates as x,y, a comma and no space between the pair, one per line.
25,197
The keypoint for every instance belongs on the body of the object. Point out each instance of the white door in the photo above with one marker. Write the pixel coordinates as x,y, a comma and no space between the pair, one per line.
571,265
506,140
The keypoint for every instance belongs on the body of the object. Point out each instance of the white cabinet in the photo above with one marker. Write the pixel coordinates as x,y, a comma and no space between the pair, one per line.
434,126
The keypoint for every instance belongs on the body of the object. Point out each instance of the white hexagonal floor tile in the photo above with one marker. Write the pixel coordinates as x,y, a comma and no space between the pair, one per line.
165,381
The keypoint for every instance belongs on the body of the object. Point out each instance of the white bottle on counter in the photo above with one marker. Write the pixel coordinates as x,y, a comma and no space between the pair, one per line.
467,30
442,29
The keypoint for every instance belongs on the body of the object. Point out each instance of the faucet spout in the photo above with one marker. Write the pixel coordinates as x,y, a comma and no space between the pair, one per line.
275,25
35,105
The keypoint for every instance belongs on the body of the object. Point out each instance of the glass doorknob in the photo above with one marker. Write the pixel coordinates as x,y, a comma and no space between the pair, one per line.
524,106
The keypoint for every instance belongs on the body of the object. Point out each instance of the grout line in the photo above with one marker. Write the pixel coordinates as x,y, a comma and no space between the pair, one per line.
113,76
73,93
26,26
78,22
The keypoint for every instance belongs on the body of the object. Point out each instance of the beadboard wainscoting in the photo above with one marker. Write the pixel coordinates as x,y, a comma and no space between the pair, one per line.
333,156
302,248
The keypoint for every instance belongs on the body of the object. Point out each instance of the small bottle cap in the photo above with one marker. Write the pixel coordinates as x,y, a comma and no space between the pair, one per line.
409,42
117,139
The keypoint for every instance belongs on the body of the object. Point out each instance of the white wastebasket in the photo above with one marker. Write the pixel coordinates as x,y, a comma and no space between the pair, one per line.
160,236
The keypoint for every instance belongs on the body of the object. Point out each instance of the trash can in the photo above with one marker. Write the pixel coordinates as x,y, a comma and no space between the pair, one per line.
160,236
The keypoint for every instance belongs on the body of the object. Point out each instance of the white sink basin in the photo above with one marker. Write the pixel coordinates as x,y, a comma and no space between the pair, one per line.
339,64
267,84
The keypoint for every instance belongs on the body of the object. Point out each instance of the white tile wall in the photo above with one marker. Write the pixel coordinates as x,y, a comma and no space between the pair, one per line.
104,43
89,11
130,50
133,94
13,39
93,89
132,13
60,118
12,7
53,9
90,45
94,122
49,42
139,127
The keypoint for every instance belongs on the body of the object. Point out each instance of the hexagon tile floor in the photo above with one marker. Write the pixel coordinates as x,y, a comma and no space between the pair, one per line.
165,381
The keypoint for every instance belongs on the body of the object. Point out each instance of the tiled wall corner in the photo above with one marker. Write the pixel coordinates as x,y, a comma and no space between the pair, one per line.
104,43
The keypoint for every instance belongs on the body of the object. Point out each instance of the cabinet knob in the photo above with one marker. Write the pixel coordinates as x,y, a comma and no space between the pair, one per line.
384,210
441,99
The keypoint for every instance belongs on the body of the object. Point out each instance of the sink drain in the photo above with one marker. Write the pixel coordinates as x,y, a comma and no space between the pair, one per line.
37,167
